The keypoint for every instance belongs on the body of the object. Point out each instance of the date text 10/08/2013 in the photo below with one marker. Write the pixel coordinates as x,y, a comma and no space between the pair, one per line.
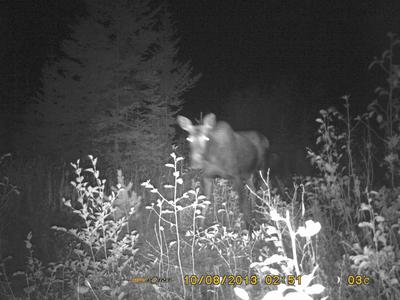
239,279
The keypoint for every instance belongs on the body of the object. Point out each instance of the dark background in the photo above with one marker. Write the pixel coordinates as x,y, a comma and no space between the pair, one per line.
239,43
233,43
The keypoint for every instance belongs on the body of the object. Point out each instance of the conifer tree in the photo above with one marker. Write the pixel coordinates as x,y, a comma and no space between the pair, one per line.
116,89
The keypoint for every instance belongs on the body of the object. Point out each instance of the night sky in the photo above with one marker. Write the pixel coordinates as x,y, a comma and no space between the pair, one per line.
241,43
323,48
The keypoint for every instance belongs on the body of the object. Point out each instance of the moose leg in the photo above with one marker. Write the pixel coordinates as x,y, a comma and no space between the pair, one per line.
244,203
207,185
250,199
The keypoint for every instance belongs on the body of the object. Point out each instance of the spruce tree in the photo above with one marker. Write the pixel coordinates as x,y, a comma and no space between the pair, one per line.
116,90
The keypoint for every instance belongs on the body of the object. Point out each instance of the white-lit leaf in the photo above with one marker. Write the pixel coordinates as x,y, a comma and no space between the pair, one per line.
365,224
297,296
125,283
241,293
315,289
274,215
275,295
365,206
311,228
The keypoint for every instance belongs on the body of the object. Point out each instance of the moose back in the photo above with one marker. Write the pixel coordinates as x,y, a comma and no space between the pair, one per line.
221,152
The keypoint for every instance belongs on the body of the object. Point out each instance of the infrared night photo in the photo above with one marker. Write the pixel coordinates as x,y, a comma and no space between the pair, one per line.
200,149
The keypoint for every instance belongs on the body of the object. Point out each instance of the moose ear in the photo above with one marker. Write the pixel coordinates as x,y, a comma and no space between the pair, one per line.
185,123
209,121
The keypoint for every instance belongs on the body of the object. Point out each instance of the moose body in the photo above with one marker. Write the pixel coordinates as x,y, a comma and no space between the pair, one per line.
218,151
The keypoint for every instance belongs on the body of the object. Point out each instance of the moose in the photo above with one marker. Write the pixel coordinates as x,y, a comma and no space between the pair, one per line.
219,151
